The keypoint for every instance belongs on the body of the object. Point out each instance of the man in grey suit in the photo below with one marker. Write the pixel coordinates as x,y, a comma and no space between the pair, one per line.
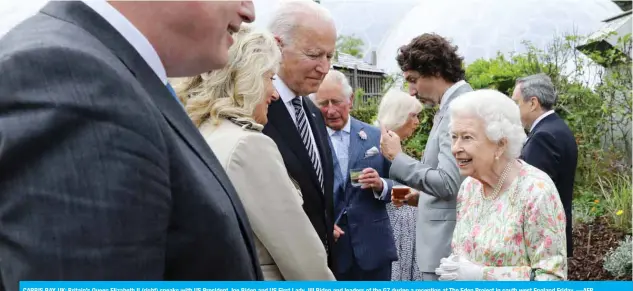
102,174
433,71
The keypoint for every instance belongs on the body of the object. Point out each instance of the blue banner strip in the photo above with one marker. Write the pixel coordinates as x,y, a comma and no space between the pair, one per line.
322,286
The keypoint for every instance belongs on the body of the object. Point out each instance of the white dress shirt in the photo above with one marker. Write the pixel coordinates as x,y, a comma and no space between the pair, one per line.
286,96
131,34
546,114
340,141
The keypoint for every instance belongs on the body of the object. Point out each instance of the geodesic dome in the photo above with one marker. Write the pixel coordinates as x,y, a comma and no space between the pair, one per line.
481,28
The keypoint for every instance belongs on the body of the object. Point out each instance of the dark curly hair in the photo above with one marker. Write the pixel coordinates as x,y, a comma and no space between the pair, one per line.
431,55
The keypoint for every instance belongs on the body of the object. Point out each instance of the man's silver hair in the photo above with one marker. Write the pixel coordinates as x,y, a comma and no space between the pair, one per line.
539,86
340,79
291,13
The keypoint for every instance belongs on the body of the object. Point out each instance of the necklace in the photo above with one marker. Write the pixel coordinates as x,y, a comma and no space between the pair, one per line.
486,207
497,189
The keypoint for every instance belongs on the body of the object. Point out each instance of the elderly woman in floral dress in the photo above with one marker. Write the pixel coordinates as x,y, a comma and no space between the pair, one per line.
510,220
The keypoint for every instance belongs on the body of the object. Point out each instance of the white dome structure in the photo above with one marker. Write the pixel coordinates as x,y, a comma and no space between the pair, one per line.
481,28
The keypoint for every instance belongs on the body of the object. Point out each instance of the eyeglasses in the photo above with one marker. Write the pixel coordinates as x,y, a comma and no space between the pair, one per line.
329,102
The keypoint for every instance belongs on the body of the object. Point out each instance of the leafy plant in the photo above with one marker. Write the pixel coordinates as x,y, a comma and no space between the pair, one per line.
616,193
587,207
594,102
619,261
581,214
350,45
364,111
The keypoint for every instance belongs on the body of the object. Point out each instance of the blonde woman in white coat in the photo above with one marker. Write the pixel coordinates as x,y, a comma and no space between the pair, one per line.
229,106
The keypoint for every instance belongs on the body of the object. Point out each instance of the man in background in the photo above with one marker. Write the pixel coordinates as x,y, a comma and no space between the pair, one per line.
434,72
550,145
365,244
102,174
307,37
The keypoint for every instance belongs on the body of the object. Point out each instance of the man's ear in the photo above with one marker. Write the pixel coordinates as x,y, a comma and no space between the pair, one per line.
351,102
534,103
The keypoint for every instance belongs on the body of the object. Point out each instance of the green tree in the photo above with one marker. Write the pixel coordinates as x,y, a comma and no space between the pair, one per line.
349,45
595,113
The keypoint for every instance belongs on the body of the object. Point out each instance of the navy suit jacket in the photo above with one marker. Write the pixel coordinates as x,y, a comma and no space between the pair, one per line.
552,148
368,237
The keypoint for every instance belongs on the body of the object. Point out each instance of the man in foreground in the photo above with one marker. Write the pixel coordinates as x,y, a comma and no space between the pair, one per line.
102,174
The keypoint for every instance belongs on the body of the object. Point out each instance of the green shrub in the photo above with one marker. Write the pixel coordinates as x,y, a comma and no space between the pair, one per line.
618,262
616,192
586,208
589,111
414,146
366,113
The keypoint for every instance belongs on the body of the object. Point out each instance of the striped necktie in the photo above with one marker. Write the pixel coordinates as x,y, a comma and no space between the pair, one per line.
304,131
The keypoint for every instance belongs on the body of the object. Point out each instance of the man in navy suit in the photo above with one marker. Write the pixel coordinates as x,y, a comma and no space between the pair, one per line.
551,145
364,246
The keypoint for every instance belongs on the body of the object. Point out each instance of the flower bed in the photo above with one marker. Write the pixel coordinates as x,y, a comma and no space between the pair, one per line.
592,242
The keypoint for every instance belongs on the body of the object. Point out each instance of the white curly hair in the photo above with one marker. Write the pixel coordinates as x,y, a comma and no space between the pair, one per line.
500,115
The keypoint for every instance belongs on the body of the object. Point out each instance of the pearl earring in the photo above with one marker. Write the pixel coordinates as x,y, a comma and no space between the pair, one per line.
496,157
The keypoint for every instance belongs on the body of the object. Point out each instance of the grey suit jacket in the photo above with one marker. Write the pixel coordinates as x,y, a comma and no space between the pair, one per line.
102,174
437,177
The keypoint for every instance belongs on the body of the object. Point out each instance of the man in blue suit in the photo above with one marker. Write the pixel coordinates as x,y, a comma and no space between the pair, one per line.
365,245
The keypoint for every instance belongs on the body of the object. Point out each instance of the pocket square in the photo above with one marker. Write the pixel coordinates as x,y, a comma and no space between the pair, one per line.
371,152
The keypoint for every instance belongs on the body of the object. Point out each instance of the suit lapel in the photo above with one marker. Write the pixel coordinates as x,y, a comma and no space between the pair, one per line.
287,129
339,180
82,16
356,144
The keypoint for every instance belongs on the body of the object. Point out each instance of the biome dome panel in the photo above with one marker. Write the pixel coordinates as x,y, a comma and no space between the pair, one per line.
481,28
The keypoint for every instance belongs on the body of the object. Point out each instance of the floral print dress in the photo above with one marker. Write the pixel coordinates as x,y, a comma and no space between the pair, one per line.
403,221
520,235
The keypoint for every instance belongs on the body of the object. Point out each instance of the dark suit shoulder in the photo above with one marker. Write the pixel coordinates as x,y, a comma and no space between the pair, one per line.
43,32
556,128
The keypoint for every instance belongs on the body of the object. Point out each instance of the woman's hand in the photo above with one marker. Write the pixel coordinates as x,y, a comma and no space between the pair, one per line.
457,268
410,199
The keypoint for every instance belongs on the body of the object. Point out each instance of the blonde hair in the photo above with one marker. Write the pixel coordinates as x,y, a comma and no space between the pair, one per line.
395,108
235,90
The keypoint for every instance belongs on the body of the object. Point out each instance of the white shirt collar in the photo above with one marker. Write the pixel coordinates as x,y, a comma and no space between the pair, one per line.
546,114
131,34
285,93
347,128
450,92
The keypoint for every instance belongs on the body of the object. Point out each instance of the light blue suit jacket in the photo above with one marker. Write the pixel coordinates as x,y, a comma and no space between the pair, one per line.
368,237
